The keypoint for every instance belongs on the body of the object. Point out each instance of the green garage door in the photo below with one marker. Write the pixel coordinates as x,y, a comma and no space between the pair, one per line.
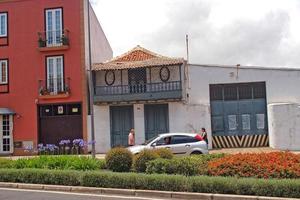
239,115
121,121
156,120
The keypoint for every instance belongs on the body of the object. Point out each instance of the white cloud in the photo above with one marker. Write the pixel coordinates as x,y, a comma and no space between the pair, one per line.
256,32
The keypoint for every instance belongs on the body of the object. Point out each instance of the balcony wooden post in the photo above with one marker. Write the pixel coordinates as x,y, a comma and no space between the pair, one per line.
150,86
121,81
180,77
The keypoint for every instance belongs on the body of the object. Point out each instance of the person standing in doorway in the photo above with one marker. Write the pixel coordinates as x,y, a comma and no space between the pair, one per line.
131,138
204,135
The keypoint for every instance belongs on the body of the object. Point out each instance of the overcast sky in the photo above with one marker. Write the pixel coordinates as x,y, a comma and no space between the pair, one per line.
248,32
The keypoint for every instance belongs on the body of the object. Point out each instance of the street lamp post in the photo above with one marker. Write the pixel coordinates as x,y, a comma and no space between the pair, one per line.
91,86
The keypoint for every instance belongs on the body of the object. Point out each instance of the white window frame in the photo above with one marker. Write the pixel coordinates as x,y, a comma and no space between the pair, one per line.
2,82
56,74
54,34
10,136
5,25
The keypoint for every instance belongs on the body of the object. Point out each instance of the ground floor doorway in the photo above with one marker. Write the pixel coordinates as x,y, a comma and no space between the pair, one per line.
60,122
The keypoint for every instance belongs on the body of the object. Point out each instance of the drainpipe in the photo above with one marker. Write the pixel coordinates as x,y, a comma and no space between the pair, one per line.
91,86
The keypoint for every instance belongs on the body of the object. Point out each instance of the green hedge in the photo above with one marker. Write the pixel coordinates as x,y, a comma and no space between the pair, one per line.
6,163
59,162
40,176
204,184
188,165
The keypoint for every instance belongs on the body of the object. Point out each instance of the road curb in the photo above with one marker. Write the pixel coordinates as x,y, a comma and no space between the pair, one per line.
137,193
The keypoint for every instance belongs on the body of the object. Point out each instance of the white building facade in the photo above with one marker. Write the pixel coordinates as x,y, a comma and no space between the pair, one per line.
239,106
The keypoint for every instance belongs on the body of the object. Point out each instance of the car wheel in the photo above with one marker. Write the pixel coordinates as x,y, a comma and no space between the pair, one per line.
196,153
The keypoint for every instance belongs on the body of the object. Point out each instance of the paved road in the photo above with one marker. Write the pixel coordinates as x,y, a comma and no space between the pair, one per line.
18,194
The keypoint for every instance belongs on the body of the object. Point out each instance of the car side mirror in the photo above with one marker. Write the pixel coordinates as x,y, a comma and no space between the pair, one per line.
153,144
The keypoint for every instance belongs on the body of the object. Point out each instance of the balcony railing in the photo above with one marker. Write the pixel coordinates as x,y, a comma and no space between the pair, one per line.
147,91
54,86
55,38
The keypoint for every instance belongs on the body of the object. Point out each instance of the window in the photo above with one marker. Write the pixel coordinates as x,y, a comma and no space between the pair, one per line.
216,92
54,26
55,75
260,121
182,139
230,92
3,24
232,122
3,72
6,133
246,121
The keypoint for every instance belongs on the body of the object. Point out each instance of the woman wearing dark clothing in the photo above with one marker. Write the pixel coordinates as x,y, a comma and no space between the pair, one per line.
204,135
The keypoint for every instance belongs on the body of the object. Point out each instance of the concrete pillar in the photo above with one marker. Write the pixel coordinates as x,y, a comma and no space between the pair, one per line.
284,126
139,123
102,128
187,118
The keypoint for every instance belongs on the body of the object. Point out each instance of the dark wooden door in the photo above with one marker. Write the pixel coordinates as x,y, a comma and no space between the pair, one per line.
156,120
59,122
121,123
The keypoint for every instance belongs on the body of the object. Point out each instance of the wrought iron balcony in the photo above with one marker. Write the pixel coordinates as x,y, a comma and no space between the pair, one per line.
148,91
57,38
54,87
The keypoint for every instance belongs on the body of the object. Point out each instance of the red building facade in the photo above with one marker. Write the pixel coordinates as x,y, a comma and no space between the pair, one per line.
44,57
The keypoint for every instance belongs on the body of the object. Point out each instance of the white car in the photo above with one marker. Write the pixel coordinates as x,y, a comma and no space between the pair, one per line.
178,143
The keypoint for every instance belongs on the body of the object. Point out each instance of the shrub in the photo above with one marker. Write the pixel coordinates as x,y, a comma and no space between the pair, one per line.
142,158
60,162
134,181
203,184
6,163
259,165
188,166
164,153
119,160
40,176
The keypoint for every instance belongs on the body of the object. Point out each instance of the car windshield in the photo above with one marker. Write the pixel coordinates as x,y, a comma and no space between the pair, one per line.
149,141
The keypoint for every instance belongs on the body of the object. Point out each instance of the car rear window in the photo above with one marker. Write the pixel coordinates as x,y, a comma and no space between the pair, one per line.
180,139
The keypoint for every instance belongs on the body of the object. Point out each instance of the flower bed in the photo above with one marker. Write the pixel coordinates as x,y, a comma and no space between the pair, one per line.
259,165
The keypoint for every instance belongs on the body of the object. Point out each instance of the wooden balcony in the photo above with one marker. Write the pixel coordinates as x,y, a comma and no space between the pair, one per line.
140,92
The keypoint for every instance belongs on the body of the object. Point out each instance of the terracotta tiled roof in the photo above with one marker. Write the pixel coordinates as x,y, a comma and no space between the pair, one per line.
136,58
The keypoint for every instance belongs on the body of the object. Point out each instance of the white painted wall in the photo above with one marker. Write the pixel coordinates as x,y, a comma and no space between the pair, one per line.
189,118
139,123
284,124
102,128
281,87
191,115
155,76
281,84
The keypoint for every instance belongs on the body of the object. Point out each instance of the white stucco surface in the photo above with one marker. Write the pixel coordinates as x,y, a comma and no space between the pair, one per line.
102,128
284,126
189,118
281,84
193,113
139,123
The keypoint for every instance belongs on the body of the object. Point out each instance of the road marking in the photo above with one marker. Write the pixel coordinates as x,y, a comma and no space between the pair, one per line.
77,194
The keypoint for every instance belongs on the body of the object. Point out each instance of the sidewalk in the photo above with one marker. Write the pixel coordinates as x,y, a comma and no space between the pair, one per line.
247,150
227,151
